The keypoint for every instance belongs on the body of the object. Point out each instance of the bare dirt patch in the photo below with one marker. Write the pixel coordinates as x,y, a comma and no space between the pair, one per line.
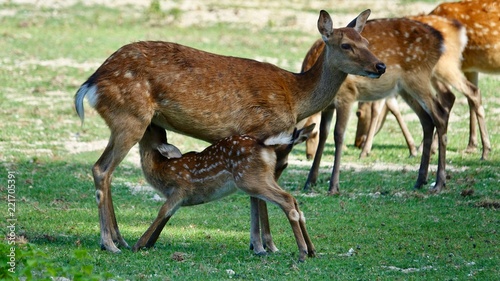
257,14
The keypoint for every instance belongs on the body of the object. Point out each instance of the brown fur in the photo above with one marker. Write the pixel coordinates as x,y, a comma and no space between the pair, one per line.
411,50
210,97
236,162
481,21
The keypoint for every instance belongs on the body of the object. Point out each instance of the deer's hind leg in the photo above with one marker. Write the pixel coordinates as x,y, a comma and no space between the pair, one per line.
126,131
266,188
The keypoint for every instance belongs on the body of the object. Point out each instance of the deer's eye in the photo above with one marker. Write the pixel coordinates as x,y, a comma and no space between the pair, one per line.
345,46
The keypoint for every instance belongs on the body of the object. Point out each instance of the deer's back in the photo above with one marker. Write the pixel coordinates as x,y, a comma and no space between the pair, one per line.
404,43
215,172
449,65
216,95
409,48
482,22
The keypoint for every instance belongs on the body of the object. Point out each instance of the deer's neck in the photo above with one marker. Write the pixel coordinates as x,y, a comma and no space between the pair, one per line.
150,159
318,86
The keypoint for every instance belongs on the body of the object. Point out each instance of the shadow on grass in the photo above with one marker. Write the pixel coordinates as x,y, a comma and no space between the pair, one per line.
57,206
58,214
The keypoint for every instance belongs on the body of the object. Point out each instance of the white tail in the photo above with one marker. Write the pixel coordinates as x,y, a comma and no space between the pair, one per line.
481,20
210,97
237,162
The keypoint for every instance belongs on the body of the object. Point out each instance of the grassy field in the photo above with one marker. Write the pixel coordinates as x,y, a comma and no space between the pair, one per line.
378,229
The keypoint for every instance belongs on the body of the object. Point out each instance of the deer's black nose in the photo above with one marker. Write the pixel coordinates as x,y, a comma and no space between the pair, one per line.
380,67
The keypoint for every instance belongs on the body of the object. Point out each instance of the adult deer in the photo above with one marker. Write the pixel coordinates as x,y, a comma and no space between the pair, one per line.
481,19
411,50
236,162
209,97
447,75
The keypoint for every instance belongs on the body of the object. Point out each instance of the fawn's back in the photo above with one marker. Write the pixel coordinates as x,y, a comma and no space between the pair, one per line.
212,173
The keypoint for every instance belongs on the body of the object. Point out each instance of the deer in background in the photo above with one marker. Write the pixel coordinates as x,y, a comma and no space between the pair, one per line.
236,162
209,97
365,112
411,50
371,118
447,75
481,19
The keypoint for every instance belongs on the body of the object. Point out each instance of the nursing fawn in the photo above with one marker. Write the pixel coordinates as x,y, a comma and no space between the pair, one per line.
210,97
237,162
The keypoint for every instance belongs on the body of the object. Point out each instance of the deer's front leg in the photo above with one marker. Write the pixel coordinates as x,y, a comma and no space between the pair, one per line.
324,130
167,210
149,238
374,121
343,112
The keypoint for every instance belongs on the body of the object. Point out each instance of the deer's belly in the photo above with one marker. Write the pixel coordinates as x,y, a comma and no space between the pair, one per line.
209,192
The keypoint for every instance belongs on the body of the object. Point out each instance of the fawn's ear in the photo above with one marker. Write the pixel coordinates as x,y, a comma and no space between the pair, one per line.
303,134
169,151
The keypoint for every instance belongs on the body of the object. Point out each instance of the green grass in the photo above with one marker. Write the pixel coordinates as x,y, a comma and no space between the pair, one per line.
396,233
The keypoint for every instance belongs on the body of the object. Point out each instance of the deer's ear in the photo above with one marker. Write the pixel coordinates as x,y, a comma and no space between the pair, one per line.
303,134
169,151
359,22
325,25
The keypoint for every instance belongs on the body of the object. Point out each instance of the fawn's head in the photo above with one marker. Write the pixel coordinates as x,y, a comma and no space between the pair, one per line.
155,138
348,48
364,113
298,136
